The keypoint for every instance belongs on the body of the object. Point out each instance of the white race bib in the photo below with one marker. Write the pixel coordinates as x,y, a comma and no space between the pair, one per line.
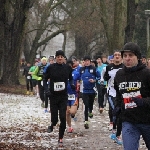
42,83
28,77
71,97
59,86
130,105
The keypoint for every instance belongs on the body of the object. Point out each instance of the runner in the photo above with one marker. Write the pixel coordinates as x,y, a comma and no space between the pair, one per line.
101,86
88,76
109,75
72,97
29,85
132,84
59,73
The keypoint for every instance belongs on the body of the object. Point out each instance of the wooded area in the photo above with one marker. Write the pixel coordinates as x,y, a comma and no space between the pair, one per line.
98,26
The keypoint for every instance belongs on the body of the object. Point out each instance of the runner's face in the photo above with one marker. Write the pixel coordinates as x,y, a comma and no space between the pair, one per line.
60,59
87,62
117,57
129,59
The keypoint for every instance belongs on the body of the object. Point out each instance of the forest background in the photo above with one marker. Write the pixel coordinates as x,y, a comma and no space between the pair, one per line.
97,26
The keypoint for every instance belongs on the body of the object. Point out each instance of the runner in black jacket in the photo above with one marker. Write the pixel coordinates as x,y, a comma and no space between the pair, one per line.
132,84
59,73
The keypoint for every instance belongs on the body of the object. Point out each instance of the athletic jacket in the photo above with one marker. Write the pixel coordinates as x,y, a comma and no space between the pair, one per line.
134,82
109,75
86,73
76,77
58,75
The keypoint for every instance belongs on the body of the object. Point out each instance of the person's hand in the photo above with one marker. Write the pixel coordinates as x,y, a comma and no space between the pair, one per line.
91,80
138,101
73,87
39,78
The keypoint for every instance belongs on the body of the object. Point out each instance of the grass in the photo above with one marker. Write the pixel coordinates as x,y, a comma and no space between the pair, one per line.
15,89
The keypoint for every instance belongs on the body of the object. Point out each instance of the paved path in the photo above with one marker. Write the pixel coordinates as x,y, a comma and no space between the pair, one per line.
23,126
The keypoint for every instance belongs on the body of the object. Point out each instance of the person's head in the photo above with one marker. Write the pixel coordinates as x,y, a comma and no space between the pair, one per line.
44,60
69,62
111,59
82,62
75,61
148,63
59,56
104,58
87,60
28,64
131,54
93,62
99,59
143,59
117,57
65,59
51,60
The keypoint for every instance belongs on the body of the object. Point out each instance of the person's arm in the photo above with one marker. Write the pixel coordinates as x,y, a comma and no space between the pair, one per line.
103,73
118,100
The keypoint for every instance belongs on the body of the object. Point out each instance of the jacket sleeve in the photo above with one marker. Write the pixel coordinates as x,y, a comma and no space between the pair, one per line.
98,75
118,100
35,72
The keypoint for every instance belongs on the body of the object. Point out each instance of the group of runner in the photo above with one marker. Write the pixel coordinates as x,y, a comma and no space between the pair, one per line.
123,79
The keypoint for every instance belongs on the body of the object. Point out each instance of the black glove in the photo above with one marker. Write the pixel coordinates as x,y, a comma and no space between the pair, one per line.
116,111
73,87
138,101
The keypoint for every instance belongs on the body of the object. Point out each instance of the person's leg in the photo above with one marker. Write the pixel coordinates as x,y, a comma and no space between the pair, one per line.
68,118
31,85
86,104
130,136
54,112
91,102
27,85
145,131
46,102
62,114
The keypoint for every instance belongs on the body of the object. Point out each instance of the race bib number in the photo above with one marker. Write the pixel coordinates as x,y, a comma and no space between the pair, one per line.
59,86
71,97
28,77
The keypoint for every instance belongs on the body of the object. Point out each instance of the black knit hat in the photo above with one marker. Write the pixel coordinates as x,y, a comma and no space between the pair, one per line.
60,52
87,58
132,47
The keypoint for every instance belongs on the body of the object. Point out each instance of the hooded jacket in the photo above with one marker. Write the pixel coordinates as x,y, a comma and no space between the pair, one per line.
133,82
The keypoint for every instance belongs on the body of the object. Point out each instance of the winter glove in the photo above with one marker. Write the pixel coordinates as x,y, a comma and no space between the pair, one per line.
116,111
39,78
138,101
73,87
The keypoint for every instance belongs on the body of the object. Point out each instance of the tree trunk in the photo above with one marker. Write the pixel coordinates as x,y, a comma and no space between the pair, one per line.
14,32
118,30
129,30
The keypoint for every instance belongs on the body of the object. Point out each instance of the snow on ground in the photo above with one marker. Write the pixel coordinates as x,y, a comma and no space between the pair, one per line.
23,126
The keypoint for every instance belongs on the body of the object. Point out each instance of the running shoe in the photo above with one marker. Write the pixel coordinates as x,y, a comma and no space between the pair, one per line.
31,93
70,130
113,136
28,93
101,110
42,105
110,127
118,140
86,125
90,115
50,129
60,143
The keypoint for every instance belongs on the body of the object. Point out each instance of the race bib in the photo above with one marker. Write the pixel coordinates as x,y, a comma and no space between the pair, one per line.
28,77
130,105
59,86
71,97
